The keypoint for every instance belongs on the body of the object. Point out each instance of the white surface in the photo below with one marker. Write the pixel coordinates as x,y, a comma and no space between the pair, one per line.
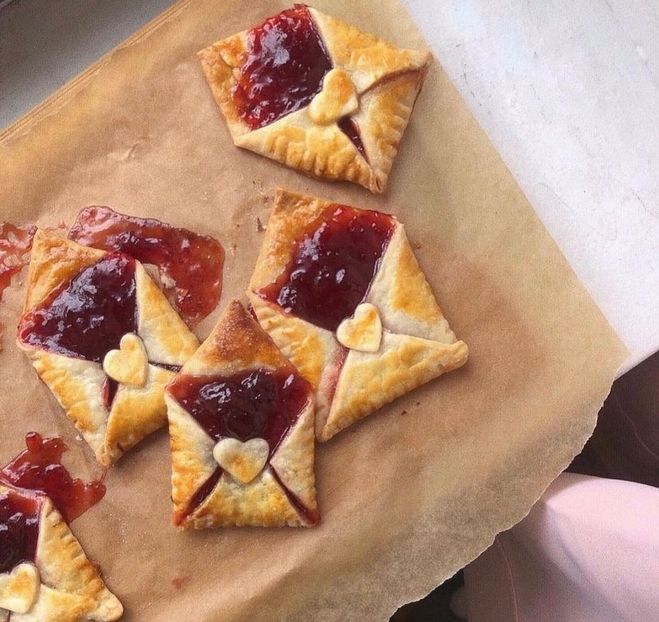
568,92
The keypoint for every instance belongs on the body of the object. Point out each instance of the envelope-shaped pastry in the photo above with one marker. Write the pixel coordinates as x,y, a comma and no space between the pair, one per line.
44,573
316,94
242,438
104,339
340,292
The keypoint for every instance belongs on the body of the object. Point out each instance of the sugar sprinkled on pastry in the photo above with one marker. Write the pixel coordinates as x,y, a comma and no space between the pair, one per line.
103,338
341,293
241,422
316,94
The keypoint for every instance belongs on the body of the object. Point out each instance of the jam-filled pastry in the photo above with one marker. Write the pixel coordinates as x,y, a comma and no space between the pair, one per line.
341,293
104,339
316,94
45,575
241,423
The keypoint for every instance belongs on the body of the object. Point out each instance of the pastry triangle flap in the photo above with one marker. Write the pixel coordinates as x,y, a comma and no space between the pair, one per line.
368,381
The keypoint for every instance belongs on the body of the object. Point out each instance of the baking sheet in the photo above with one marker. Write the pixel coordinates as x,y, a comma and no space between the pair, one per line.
412,493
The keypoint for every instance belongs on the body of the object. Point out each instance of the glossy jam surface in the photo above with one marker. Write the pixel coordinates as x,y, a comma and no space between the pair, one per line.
251,404
87,318
40,468
19,528
284,69
190,264
332,266
351,130
15,244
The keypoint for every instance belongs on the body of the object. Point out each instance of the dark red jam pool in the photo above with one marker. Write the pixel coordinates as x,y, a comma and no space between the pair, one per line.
250,404
39,468
191,264
284,69
88,316
19,528
332,266
349,127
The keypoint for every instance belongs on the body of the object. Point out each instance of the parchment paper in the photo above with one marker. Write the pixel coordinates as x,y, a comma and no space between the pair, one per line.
412,493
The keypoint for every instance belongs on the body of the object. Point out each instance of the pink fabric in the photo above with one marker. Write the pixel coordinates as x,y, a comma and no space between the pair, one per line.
587,552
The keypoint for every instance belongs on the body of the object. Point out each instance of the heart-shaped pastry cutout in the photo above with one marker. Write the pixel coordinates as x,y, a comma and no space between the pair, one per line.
362,331
243,461
337,99
129,364
19,588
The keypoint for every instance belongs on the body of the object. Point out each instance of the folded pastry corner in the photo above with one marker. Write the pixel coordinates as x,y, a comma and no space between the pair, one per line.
45,575
342,295
241,422
316,94
103,338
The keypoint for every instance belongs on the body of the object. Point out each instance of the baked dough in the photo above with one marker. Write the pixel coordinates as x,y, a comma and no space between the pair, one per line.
249,483
60,584
368,81
138,407
396,339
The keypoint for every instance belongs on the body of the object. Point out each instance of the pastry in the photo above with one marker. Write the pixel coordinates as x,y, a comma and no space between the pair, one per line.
44,573
104,339
316,94
341,293
242,437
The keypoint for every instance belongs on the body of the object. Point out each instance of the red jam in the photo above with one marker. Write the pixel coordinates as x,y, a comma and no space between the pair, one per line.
250,404
190,264
88,316
348,126
332,266
40,468
19,528
285,66
15,244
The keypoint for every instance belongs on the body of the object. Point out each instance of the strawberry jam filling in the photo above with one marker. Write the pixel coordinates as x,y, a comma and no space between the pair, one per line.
19,528
285,64
190,264
87,317
250,404
332,265
37,471
39,468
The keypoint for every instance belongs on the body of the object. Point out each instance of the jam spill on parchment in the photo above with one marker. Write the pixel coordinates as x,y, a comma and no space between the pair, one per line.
35,472
190,264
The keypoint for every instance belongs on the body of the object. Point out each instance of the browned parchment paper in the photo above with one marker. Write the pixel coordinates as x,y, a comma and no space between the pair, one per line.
412,493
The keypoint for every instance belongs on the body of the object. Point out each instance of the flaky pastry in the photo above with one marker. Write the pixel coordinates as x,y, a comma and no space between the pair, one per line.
45,575
316,94
341,293
104,339
241,423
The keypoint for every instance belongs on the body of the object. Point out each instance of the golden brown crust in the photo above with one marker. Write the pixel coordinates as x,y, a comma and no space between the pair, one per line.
54,261
71,588
238,343
78,385
309,139
368,380
416,345
403,296
166,336
364,56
